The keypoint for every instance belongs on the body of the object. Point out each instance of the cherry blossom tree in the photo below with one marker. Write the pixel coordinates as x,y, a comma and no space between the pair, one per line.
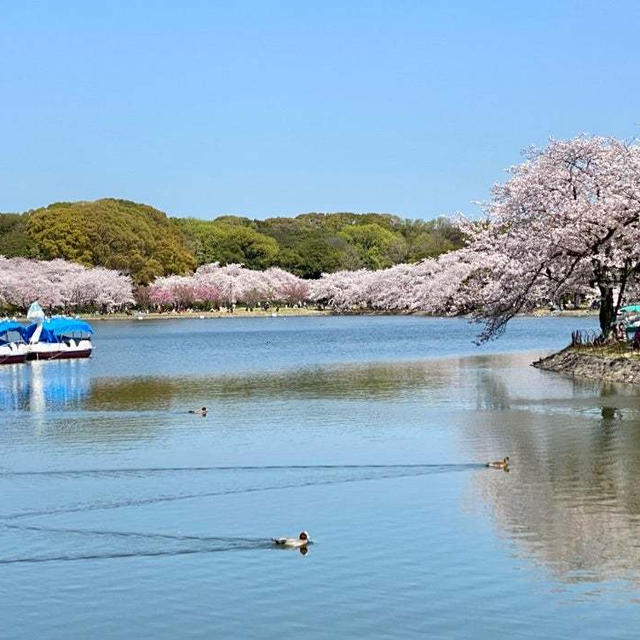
231,284
343,290
61,286
568,217
177,291
286,287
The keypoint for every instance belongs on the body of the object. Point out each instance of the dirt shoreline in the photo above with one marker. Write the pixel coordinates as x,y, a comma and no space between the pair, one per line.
593,364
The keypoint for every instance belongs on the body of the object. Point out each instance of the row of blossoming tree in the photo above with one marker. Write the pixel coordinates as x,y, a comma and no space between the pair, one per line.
565,223
215,286
426,286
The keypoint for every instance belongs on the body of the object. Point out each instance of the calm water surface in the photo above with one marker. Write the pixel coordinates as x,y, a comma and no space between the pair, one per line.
122,515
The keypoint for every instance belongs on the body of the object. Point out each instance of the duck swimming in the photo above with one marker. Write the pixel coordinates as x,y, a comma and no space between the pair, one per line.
499,464
294,543
199,412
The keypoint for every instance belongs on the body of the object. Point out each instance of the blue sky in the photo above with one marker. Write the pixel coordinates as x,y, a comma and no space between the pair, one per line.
277,108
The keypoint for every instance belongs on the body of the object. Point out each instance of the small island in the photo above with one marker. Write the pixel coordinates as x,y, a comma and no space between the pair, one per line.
606,363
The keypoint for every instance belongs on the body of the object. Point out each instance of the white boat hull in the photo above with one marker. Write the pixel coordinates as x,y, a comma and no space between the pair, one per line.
59,350
13,352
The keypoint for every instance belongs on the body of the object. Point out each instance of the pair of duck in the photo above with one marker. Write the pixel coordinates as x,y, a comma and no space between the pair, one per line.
303,539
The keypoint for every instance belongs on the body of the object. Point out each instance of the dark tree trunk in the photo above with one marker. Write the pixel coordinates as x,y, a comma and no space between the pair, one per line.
607,311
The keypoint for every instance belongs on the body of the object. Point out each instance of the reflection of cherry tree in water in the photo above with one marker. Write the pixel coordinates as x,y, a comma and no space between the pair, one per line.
571,500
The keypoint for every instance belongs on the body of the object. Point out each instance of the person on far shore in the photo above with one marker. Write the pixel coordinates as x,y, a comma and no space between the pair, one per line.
199,412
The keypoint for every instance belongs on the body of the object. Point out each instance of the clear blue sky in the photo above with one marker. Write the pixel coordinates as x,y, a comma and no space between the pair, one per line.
277,108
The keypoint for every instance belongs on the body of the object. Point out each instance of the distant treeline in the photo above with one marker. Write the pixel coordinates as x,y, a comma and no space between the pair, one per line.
145,243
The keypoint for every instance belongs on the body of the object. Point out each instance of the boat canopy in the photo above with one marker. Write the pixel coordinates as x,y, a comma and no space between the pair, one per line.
630,308
9,326
54,329
67,326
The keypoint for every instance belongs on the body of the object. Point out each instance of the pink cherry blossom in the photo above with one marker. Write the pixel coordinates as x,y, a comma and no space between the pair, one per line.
61,286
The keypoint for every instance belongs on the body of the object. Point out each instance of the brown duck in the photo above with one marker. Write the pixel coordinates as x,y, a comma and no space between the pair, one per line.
499,464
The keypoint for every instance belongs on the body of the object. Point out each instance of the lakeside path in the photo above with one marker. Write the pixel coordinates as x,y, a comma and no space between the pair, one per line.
292,312
195,315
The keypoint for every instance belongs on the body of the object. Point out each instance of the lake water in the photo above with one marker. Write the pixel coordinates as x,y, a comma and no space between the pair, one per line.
123,516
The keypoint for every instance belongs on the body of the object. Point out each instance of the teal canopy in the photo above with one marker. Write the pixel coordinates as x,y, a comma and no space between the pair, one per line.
630,308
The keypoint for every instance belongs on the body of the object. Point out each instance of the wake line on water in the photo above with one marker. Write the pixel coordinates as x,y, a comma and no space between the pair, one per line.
209,544
302,467
131,554
423,470
135,534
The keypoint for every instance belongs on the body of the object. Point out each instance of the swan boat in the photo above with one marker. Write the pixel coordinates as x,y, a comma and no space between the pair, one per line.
58,338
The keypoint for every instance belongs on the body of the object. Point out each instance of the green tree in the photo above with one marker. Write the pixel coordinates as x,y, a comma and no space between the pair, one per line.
428,245
378,247
14,240
317,256
117,234
227,242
